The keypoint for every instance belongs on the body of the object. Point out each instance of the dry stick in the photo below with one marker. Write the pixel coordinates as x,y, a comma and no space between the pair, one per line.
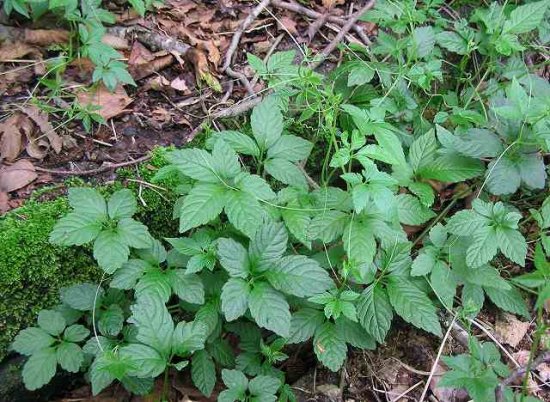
242,78
237,37
90,172
520,372
345,29
298,8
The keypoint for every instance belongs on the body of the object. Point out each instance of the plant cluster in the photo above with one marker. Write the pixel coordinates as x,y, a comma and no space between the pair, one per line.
270,256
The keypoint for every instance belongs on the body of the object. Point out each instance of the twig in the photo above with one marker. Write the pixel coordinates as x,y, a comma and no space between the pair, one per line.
520,372
237,109
242,78
237,37
298,8
90,172
153,39
345,29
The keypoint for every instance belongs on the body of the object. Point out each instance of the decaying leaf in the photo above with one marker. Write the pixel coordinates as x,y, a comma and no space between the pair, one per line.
111,103
139,55
16,176
11,51
141,71
42,121
11,143
179,84
202,71
510,330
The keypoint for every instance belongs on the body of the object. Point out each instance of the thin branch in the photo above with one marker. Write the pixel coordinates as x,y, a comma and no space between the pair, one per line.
91,172
242,78
520,372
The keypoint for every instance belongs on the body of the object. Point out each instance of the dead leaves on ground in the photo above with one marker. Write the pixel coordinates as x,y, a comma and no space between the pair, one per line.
109,104
14,177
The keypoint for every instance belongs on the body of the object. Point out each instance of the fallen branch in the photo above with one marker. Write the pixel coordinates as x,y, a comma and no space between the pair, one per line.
520,372
338,38
242,78
237,109
237,36
91,172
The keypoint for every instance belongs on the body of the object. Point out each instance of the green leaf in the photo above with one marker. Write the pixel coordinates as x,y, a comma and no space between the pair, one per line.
82,296
76,333
327,225
139,6
235,295
297,222
509,300
452,168
225,160
299,276
256,186
269,309
111,320
375,312
122,204
203,204
503,176
138,386
69,356
423,41
203,372
244,211
51,321
532,171
40,368
354,334
304,323
267,122
413,305
291,148
526,17
483,247
144,360
329,348
466,222
423,264
194,163
422,150
88,201
388,150
135,234
475,143
424,192
234,258
110,251
222,352
75,229
130,272
286,172
452,42
268,245
235,379
360,75
189,337
411,211
241,143
264,384
154,323
359,242
187,286
512,244
31,340
443,283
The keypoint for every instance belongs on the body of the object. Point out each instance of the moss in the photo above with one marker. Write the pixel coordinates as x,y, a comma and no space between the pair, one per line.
32,270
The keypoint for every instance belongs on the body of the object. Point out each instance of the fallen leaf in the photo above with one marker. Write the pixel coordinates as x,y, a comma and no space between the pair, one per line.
11,143
46,37
289,25
139,54
141,71
510,330
544,371
446,394
179,84
16,176
202,71
111,104
4,205
115,42
11,51
42,121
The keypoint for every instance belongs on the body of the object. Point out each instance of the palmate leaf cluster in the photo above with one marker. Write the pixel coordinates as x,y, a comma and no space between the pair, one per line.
399,205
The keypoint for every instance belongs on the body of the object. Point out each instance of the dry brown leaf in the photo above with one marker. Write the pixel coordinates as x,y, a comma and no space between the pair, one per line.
202,71
544,371
289,25
179,84
46,37
42,121
510,330
4,205
144,70
16,176
115,41
139,54
11,143
12,51
111,104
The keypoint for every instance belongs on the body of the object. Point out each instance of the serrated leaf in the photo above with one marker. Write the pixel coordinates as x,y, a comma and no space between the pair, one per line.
532,171
75,229
187,286
194,163
299,276
203,372
269,309
297,222
267,122
122,204
135,234
483,247
40,368
413,305
502,176
111,320
443,283
327,226
88,201
203,204
225,160
256,186
423,41
512,244
375,312
138,386
189,337
423,264
31,340
526,17
244,211
452,168
329,348
422,150
235,379
110,251
268,245
233,257
144,360
235,295
69,356
452,42
304,323
424,192
51,321
360,75
509,300
76,333
359,242
411,211
153,322
127,276
241,143
291,148
466,222
286,172
354,334
264,384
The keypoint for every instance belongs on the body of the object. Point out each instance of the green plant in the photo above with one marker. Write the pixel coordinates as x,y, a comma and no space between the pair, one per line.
270,256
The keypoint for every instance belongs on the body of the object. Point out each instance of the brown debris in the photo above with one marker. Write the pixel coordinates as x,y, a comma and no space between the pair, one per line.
111,104
510,330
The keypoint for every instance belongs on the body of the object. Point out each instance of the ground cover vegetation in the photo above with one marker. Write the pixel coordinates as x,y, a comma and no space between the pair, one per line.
393,187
